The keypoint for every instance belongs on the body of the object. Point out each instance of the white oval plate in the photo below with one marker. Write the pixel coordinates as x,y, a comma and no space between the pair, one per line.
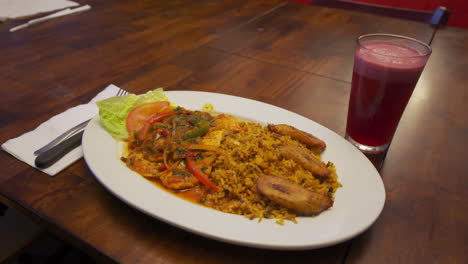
357,204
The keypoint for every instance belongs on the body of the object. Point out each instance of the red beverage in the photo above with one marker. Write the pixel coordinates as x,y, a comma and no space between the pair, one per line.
384,77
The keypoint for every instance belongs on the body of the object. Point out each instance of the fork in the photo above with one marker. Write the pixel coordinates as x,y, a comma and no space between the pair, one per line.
56,152
72,131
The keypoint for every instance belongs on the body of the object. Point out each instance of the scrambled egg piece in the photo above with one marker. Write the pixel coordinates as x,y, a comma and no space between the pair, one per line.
227,122
223,125
213,138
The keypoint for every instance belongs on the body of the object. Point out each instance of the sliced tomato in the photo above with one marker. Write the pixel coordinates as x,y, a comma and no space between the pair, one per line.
138,116
151,120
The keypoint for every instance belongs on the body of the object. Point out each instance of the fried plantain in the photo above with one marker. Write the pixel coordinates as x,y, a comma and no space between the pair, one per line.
305,159
315,144
293,196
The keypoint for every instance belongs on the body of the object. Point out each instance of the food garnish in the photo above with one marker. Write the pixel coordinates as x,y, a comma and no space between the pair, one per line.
114,111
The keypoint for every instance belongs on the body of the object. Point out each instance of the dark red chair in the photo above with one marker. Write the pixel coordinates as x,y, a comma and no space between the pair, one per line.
436,19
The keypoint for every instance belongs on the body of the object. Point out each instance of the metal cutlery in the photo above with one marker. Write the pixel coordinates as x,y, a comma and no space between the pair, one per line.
63,12
63,136
57,148
46,159
71,131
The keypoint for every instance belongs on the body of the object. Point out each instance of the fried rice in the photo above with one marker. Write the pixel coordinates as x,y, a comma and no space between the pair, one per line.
249,153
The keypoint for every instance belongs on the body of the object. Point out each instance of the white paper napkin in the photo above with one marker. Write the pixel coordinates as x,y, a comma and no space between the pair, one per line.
10,9
23,146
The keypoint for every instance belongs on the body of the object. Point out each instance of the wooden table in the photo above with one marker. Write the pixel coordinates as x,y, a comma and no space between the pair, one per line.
290,55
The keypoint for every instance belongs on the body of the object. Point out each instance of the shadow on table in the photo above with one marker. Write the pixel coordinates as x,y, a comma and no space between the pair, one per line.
50,250
377,159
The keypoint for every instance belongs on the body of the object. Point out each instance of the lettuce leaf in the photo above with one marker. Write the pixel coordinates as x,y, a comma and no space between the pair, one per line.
113,111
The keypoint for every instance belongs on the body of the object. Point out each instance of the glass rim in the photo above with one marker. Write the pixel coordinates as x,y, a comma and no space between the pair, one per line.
429,49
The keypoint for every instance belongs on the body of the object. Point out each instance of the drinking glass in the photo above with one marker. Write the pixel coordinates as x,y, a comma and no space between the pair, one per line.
386,70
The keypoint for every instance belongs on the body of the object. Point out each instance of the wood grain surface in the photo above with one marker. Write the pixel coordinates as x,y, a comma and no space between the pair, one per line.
291,55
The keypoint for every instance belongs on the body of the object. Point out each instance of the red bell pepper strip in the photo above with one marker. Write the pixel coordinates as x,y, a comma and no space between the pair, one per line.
153,119
202,177
191,154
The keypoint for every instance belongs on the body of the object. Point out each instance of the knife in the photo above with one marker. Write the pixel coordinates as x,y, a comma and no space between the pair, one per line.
46,159
63,12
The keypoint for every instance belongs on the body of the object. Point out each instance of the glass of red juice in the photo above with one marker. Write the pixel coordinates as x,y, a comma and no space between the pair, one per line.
386,70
